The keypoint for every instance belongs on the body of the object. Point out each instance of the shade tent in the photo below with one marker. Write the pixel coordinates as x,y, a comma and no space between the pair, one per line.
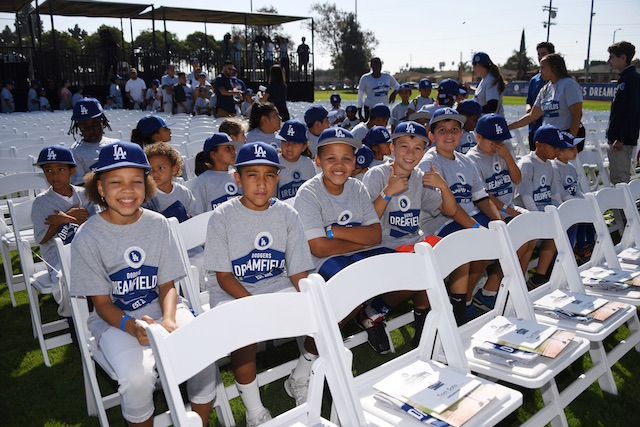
11,6
95,9
220,17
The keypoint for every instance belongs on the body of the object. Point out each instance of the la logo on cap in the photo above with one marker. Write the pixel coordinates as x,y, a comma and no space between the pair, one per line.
119,153
258,151
291,131
83,110
498,129
51,155
411,128
339,133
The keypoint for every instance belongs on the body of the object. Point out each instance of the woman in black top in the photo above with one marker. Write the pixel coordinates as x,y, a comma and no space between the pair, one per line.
277,91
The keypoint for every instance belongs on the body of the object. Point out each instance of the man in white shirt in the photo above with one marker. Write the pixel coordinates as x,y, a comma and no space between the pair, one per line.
135,89
374,88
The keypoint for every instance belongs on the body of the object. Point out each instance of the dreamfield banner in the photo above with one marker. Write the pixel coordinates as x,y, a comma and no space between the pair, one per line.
590,91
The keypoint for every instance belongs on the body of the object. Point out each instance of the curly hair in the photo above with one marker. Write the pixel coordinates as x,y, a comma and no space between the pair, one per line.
91,188
74,129
164,149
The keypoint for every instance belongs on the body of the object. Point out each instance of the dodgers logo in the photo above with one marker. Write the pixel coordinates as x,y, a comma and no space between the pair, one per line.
230,188
568,180
360,159
263,241
339,134
543,180
411,128
461,178
404,203
291,131
119,153
496,167
134,256
296,175
51,155
258,151
83,110
344,217
498,129
621,86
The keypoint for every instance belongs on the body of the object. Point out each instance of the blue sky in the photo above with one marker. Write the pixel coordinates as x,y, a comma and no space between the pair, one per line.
425,33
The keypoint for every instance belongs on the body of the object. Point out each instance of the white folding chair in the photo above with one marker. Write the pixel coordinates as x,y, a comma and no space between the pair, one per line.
18,187
553,224
97,403
37,280
492,244
591,160
370,277
183,353
12,164
631,234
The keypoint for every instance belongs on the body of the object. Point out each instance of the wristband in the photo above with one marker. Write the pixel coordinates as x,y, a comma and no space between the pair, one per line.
384,196
476,225
329,232
504,208
123,321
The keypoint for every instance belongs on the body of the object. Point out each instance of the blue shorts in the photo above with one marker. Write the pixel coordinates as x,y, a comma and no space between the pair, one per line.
480,218
336,263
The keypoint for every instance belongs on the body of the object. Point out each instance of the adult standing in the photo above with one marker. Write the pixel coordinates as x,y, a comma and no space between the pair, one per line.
624,121
303,57
116,91
33,103
8,104
236,51
268,54
135,89
65,95
168,80
559,102
225,106
374,87
196,69
535,84
276,92
284,57
491,87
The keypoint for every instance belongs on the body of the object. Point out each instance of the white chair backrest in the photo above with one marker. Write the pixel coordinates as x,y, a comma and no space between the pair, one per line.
618,198
631,234
20,214
17,165
592,159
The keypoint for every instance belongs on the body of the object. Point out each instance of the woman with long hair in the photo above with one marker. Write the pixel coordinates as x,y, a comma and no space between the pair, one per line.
277,91
491,88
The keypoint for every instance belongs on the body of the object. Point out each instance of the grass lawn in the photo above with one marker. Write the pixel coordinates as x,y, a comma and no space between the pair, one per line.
349,95
34,395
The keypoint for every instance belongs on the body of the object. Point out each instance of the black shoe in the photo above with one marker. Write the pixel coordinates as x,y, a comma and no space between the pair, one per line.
376,333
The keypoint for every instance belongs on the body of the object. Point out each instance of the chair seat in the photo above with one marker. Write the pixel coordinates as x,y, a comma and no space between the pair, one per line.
9,239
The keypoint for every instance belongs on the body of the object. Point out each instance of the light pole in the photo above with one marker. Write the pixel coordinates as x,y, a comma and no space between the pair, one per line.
614,34
586,63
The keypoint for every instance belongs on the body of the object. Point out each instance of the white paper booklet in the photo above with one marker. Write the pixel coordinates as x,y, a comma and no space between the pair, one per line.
630,255
608,276
569,301
514,332
424,385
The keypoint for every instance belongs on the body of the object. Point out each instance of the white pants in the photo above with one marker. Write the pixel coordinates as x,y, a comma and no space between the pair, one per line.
134,365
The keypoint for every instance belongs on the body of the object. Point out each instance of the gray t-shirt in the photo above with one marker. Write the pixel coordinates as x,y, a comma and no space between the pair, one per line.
495,175
401,219
318,208
555,100
467,141
46,204
294,175
256,134
213,188
86,155
360,130
417,102
6,95
567,178
261,248
487,90
537,182
399,113
126,262
179,193
463,179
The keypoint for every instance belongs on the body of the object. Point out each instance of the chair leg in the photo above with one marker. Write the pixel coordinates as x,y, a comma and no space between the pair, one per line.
34,305
599,355
551,397
221,403
8,272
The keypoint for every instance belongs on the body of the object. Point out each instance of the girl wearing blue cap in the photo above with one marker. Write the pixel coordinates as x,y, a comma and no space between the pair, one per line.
264,122
149,130
298,168
491,88
124,259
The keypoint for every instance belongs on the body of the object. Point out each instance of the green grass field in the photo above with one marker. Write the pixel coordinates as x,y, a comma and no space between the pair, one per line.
34,395
349,95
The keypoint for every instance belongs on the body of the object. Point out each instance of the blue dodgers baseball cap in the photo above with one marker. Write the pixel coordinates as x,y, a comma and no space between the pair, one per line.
377,135
121,154
571,140
551,135
335,97
448,87
10,82
116,77
364,157
151,124
257,153
423,113
470,107
481,58
380,110
314,114
55,154
351,109
195,60
155,82
493,127
293,131
447,113
248,91
87,108
35,82
411,128
219,138
337,135
425,84
404,86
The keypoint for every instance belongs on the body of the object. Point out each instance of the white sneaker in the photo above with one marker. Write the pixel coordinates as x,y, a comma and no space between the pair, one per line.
297,389
261,418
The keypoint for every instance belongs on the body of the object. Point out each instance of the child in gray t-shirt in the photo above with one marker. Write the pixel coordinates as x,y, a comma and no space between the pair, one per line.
255,245
126,260
298,168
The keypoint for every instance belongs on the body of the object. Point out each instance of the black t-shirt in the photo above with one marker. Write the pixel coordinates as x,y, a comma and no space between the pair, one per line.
278,97
224,101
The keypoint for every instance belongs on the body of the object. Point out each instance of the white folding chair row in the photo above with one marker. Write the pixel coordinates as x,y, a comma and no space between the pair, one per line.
195,145
553,224
37,280
97,404
590,159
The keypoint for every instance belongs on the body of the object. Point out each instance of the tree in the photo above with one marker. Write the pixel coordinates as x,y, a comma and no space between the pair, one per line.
341,35
255,32
177,48
8,37
197,45
92,41
77,33
63,41
519,60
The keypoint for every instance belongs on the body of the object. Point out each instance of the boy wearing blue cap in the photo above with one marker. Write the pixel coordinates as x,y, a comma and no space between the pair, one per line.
471,109
364,157
111,104
317,119
424,87
272,233
116,91
245,107
538,186
399,112
337,114
152,95
399,192
201,107
32,96
88,118
8,104
351,120
379,115
298,168
45,105
378,139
